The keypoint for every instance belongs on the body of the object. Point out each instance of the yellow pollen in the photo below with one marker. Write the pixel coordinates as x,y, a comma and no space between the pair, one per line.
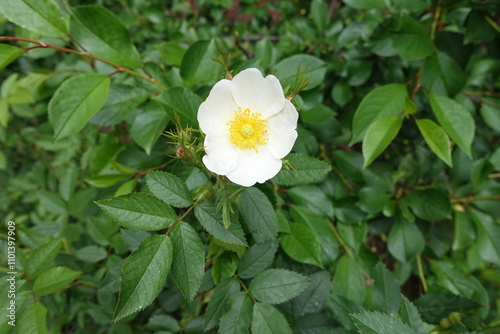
247,129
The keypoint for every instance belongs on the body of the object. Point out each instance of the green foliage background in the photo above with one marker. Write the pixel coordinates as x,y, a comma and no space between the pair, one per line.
384,219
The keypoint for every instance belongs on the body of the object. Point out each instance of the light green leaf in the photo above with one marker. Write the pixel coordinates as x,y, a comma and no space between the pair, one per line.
411,317
188,260
259,215
91,253
139,211
40,16
257,258
8,54
54,279
489,113
103,34
52,202
304,170
219,301
442,75
42,257
430,204
302,245
380,323
382,101
33,320
268,320
76,101
348,281
405,241
148,126
212,222
319,13
143,275
488,236
183,102
197,65
378,136
411,39
275,286
455,119
436,138
286,70
238,316
385,291
169,188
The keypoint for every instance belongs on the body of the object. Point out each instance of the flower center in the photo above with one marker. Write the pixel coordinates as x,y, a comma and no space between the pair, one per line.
247,129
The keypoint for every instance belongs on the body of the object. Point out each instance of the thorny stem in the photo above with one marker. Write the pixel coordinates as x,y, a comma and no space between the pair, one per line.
84,54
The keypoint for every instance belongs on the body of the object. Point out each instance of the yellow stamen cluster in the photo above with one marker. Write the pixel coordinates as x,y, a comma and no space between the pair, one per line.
247,129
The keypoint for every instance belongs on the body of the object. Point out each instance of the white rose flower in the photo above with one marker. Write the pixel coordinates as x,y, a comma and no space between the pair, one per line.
249,127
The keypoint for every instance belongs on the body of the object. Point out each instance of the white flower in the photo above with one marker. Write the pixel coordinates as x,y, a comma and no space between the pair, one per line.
249,127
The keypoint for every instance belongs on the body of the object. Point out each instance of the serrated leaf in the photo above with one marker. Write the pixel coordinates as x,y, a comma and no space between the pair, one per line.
8,54
40,16
169,188
348,280
42,257
342,308
313,299
405,240
103,34
436,138
188,260
53,280
211,220
143,274
218,303
380,323
378,136
139,211
275,286
382,101
304,170
410,316
430,204
259,215
385,291
456,120
76,101
435,306
238,316
33,320
268,320
302,245
257,258
183,102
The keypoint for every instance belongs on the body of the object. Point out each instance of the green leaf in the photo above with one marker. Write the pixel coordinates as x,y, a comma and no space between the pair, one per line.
54,279
464,232
378,136
257,258
405,241
33,320
169,188
103,34
148,126
435,306
188,259
430,204
436,138
211,220
52,202
8,54
365,4
411,317
143,275
171,52
122,99
42,257
259,215
76,101
197,65
488,236
218,303
268,320
411,39
304,170
382,101
313,299
91,253
314,198
225,266
183,102
286,70
348,281
302,245
456,120
385,291
40,16
319,13
238,316
275,286
139,211
489,113
442,75
380,323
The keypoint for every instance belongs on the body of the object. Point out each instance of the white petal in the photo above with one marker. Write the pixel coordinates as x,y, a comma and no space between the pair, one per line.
281,131
263,95
255,167
222,156
218,108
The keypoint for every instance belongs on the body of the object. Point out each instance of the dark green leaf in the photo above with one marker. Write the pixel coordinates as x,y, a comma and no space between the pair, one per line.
405,241
304,170
348,281
385,291
286,70
378,136
465,233
212,222
380,323
8,54
412,40
411,317
259,215
435,306
436,138
91,253
76,101
442,75
365,4
488,236
238,316
268,320
143,275
430,204
302,245
42,257
169,188
257,258
313,198
183,102
313,299
276,286
219,301
148,126
197,65
225,266
53,280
